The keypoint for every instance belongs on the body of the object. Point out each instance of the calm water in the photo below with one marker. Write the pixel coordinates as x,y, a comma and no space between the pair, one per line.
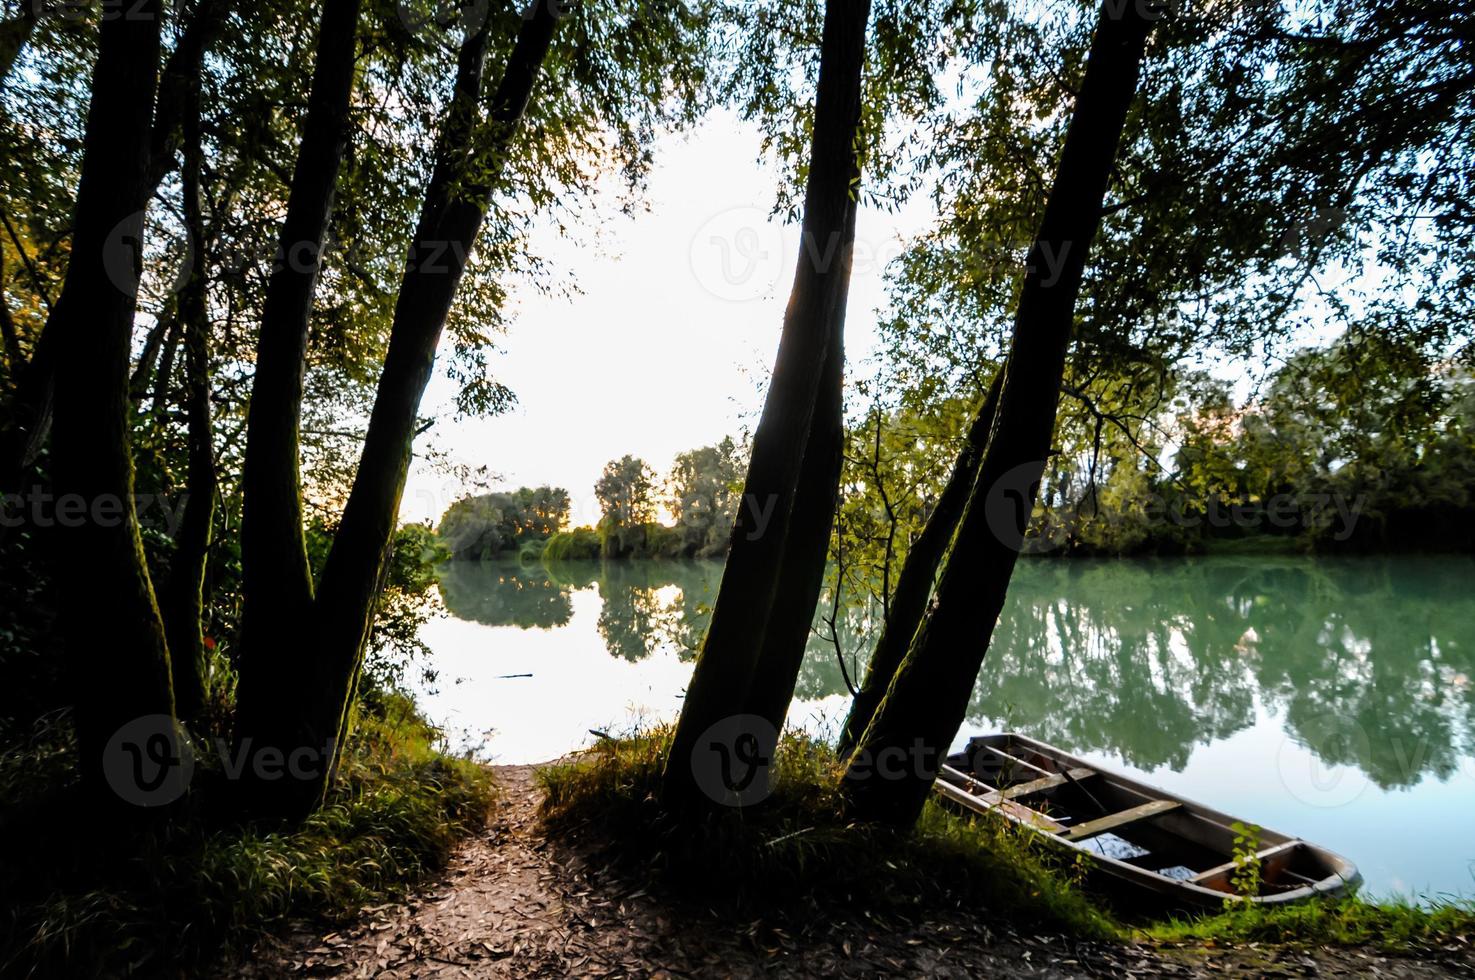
1328,699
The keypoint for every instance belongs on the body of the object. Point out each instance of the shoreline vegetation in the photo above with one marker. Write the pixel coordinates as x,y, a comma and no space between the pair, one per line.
403,808
798,852
140,899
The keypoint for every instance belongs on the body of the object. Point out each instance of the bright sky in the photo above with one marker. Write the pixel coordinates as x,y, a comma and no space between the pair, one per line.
669,344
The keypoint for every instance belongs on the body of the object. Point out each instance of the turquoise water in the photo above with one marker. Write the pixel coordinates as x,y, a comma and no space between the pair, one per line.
1331,699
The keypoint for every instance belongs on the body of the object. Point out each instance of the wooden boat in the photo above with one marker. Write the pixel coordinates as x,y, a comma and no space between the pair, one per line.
1172,852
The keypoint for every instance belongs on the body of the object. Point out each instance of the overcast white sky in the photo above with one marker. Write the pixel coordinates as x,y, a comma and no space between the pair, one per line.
669,345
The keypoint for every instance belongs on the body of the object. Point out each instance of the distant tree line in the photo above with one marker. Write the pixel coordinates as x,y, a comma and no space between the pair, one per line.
700,494
492,524
1366,444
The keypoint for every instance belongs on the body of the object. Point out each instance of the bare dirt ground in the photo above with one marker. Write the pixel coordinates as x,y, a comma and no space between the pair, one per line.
515,904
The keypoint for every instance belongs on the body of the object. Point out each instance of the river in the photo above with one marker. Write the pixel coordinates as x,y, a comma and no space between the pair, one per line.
1327,698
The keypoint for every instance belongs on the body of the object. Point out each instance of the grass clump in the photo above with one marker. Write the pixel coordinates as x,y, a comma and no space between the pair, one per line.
175,897
797,850
1397,926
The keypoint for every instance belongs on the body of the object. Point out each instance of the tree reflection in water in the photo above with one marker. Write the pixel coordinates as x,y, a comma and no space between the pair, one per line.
1367,662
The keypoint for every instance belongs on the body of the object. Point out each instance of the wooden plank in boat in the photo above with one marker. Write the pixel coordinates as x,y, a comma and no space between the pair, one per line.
993,793
1009,808
1042,784
1112,821
1015,761
971,783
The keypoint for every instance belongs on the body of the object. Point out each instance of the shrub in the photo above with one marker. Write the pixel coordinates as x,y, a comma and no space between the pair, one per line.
580,544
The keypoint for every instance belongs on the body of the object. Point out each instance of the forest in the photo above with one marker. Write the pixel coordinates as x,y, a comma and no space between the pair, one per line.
1196,283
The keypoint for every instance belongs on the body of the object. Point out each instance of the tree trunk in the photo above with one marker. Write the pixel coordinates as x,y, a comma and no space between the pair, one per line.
277,576
918,572
891,772
182,601
15,358
720,686
117,657
802,572
159,400
314,686
143,373
177,86
32,408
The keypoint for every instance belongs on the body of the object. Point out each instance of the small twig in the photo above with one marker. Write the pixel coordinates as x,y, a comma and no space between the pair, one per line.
26,261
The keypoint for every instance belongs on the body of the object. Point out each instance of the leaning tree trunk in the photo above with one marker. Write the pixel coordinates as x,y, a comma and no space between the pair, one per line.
914,586
314,689
117,657
277,577
182,598
802,572
35,392
892,770
718,694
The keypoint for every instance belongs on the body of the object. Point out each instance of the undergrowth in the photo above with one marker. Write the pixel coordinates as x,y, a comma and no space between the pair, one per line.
797,849
95,899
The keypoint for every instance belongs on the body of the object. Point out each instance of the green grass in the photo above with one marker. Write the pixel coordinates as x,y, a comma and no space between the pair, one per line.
796,850
1397,926
92,899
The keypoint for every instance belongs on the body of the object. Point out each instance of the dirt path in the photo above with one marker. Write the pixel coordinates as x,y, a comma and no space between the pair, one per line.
514,904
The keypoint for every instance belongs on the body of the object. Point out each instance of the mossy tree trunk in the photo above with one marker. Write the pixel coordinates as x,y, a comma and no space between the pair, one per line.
277,577
723,684
315,685
914,585
182,598
117,657
32,407
801,575
896,760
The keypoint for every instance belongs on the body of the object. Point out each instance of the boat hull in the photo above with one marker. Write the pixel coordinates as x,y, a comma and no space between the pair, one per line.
1145,845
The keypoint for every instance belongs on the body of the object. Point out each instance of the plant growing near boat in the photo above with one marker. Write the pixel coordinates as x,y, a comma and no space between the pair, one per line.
1246,876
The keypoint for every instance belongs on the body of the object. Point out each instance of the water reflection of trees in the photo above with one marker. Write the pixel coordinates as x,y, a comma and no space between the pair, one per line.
503,594
1367,662
644,605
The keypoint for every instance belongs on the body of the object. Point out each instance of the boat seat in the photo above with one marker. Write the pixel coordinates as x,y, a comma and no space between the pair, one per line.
991,794
979,804
1120,819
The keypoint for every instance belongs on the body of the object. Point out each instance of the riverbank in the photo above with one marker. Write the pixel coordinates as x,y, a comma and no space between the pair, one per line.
519,901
